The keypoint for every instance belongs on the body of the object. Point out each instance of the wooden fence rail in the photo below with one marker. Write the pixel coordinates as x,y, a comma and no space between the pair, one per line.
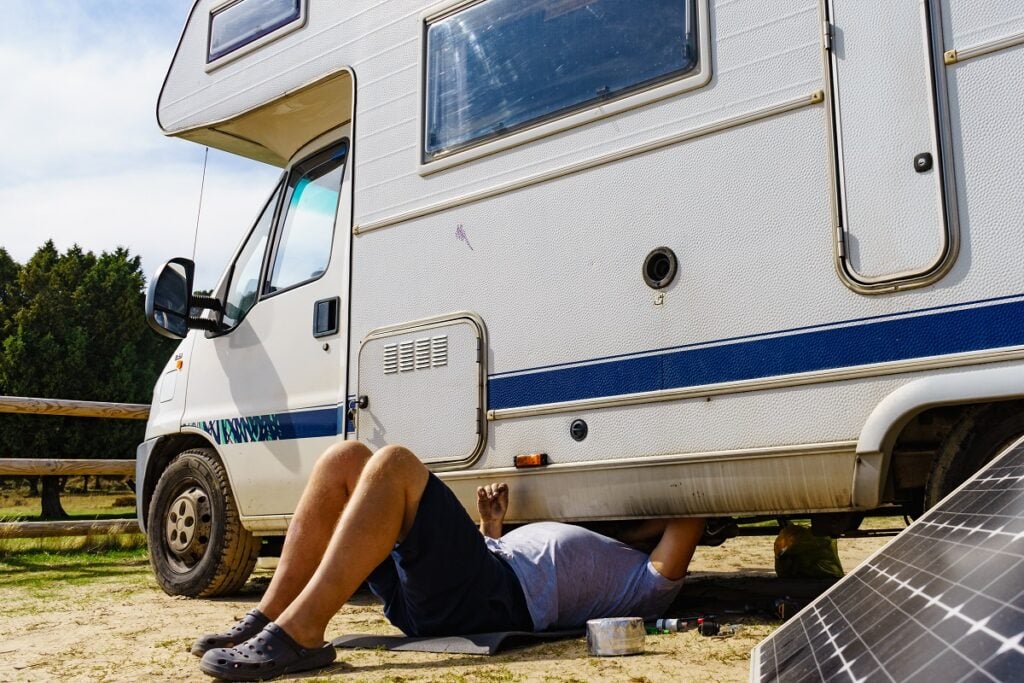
57,406
68,528
31,467
36,467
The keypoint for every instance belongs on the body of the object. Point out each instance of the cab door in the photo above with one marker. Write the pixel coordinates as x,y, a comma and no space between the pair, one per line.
268,387
889,112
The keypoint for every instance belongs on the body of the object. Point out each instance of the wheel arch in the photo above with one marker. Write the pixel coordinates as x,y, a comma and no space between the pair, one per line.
896,411
161,451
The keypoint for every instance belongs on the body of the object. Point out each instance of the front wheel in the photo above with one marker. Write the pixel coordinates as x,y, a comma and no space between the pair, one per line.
197,544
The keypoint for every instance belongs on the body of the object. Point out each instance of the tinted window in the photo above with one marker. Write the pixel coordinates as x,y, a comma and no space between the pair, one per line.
240,23
501,65
244,284
307,232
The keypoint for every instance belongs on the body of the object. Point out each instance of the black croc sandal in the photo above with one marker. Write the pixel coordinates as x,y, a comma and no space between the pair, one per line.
251,624
269,654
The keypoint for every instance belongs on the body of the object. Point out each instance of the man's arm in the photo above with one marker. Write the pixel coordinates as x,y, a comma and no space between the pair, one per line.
674,551
492,504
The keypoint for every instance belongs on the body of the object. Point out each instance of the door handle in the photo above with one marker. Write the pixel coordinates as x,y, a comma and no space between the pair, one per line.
325,317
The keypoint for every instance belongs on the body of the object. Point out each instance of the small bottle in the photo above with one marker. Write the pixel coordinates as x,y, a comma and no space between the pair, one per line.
662,626
670,625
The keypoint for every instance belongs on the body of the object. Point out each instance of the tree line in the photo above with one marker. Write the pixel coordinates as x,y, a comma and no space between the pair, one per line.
72,327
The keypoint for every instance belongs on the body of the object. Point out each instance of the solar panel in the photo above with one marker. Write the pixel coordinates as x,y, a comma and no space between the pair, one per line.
944,601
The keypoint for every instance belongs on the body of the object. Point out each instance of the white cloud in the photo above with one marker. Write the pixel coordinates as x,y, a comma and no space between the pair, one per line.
83,158
152,213
65,117
80,89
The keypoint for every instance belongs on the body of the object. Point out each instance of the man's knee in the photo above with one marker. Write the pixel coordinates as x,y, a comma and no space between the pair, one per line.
343,461
397,461
393,466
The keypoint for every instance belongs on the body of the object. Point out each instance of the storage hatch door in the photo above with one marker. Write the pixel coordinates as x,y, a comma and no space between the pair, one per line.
422,385
890,164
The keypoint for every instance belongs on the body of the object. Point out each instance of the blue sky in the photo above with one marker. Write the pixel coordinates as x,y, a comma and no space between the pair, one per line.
83,160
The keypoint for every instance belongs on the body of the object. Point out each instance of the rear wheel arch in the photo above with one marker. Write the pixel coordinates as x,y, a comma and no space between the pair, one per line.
981,434
948,395
942,446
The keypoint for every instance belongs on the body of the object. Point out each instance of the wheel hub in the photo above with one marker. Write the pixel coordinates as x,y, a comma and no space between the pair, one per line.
187,525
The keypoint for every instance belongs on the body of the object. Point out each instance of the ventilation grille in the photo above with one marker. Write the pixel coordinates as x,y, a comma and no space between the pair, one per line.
439,351
416,354
422,354
390,359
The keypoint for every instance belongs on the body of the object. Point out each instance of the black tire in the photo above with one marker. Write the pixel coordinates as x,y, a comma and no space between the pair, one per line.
197,545
977,437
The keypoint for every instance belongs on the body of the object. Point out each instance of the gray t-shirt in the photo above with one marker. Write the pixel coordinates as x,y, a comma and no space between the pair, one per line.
570,575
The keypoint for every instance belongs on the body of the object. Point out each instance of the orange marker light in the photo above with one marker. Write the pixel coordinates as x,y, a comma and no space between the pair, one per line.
179,363
531,460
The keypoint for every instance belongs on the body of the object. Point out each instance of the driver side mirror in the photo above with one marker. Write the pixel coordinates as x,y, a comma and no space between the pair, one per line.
169,301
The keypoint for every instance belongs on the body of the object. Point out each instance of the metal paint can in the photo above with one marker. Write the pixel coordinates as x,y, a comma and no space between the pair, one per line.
619,636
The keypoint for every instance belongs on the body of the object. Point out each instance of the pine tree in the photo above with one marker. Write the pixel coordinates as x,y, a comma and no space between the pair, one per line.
75,330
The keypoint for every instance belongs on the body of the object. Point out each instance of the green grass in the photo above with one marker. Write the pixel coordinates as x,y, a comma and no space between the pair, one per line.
100,505
16,507
71,545
41,569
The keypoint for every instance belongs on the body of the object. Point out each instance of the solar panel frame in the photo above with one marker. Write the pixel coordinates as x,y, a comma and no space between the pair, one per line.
943,601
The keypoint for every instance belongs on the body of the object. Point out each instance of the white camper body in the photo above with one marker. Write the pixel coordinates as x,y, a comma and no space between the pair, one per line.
836,194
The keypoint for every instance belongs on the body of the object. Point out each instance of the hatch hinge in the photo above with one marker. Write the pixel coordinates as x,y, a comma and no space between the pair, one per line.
827,33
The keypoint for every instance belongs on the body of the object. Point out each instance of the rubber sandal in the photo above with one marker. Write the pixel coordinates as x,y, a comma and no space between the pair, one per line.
251,624
269,654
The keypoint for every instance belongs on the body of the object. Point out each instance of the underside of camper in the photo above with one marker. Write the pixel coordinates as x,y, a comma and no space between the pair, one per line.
636,258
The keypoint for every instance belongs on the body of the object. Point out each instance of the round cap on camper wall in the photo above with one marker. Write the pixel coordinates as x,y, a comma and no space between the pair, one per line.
660,268
613,637
578,430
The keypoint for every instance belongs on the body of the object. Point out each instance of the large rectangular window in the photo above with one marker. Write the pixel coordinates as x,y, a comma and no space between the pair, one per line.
503,65
237,24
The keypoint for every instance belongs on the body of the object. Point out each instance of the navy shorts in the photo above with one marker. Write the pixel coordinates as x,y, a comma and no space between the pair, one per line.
442,580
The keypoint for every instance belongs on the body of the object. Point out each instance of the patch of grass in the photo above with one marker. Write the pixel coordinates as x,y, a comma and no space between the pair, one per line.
97,543
170,644
80,507
100,505
500,673
41,570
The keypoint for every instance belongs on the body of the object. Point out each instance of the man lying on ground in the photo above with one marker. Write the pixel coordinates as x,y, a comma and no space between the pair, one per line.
384,518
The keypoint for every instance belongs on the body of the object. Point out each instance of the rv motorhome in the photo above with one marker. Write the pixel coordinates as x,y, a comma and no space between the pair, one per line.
708,257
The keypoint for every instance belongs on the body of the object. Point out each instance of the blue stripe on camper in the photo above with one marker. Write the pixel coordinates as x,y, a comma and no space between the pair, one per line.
275,427
878,341
991,324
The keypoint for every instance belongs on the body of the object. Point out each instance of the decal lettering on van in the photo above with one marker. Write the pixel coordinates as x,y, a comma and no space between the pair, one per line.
244,429
273,427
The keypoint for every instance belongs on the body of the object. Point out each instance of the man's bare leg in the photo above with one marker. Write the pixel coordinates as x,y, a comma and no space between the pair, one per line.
380,512
330,487
674,551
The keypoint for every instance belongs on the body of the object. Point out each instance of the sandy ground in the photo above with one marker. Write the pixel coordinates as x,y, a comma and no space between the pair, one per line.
111,623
